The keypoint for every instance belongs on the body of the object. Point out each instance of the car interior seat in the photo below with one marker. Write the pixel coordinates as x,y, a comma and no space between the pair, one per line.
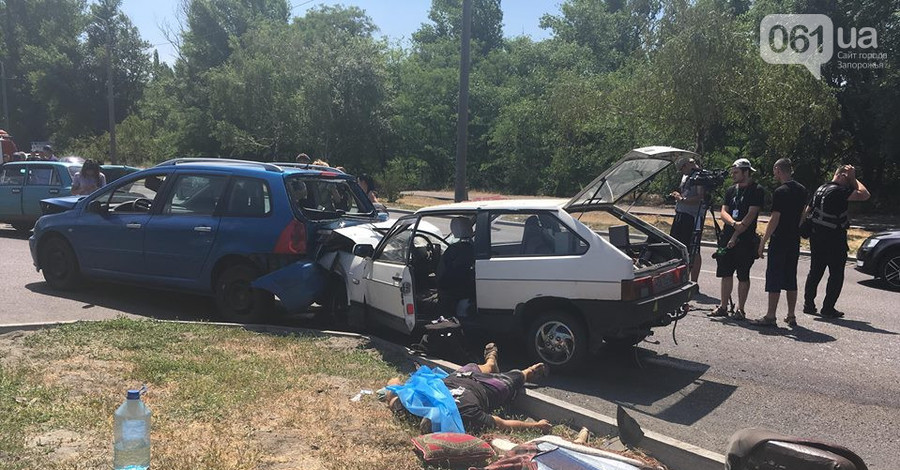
535,240
456,270
619,237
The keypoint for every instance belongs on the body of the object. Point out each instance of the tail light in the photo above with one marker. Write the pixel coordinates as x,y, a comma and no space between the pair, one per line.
637,288
292,240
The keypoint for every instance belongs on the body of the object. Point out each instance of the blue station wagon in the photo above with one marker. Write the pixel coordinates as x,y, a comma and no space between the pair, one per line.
218,227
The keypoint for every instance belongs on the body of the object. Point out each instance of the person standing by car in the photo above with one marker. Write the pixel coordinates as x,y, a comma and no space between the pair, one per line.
743,202
828,240
688,199
89,179
784,250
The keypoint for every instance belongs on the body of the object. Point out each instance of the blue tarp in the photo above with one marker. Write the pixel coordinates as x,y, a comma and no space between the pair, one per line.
425,395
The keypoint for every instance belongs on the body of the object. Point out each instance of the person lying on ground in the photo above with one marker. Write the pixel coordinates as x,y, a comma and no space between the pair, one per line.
479,389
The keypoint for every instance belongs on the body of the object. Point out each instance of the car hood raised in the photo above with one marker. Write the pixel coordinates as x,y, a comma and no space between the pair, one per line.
634,169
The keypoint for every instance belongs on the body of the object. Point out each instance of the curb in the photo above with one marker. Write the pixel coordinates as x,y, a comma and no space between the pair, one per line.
672,452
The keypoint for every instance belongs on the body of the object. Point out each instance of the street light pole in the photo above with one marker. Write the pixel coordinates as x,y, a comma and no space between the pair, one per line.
462,120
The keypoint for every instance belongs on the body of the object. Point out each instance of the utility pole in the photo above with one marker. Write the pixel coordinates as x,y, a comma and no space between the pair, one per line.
110,96
5,105
462,120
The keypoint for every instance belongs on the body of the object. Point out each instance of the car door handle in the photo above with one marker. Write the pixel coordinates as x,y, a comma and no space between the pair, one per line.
54,191
16,191
397,278
133,225
203,228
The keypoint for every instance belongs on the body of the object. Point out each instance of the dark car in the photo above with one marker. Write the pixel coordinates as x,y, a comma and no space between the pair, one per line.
879,256
209,226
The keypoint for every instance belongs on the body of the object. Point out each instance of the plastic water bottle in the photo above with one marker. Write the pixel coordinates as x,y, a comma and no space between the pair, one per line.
131,444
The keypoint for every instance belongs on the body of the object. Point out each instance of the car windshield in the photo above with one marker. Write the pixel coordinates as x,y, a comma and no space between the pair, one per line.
327,198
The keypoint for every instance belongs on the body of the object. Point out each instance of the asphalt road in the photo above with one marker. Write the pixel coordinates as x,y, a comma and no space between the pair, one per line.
836,380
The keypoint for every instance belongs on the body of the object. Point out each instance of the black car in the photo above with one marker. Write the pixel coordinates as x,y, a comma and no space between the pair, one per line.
879,256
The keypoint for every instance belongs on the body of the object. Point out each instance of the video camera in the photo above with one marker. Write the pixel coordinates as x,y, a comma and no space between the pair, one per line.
709,179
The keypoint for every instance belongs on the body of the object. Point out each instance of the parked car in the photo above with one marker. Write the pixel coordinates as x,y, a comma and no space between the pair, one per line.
210,226
24,184
879,256
529,268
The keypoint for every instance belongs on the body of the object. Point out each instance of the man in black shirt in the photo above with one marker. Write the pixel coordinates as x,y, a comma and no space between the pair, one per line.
788,202
478,389
743,202
828,240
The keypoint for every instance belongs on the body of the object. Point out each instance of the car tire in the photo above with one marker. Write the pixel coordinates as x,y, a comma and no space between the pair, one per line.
59,264
889,270
557,339
236,300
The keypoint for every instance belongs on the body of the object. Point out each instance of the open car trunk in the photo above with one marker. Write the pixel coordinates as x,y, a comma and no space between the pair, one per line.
652,250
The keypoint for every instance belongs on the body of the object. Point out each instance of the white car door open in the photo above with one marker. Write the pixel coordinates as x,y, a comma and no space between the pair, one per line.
389,283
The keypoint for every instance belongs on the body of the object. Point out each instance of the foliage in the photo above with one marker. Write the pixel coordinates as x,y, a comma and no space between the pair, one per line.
544,116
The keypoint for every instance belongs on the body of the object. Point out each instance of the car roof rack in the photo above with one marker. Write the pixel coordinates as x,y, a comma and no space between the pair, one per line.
179,161
308,166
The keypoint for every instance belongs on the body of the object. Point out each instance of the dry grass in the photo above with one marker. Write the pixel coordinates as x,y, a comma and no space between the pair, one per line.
222,399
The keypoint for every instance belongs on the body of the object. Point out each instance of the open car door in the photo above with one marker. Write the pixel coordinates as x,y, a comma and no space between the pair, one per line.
389,284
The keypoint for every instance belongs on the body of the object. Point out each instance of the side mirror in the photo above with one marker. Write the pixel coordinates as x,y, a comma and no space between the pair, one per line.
96,206
364,251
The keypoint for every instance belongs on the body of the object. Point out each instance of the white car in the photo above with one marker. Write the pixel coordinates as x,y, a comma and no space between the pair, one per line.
567,276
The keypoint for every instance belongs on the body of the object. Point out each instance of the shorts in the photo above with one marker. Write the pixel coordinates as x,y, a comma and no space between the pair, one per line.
738,259
683,229
504,385
781,267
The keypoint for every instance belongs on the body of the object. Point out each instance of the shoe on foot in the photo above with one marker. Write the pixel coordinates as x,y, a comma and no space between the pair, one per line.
810,309
832,313
791,321
764,321
739,314
491,350
719,311
425,426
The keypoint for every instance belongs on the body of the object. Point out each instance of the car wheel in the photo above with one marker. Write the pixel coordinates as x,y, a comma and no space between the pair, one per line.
557,339
237,300
22,227
59,264
889,270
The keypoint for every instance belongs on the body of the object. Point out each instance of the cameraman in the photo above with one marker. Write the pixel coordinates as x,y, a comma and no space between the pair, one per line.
743,202
688,199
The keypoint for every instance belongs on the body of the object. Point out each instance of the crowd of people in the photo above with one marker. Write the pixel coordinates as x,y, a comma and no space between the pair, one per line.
822,218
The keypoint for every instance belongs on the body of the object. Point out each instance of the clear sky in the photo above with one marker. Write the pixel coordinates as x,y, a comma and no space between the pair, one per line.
397,19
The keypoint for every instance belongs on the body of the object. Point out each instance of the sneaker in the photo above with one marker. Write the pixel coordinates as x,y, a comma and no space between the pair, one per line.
791,321
739,314
810,309
832,313
719,311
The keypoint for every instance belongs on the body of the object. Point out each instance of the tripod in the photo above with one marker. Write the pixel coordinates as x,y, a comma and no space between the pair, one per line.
697,235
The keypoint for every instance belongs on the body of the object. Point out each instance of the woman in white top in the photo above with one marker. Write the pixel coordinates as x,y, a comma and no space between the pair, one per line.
89,179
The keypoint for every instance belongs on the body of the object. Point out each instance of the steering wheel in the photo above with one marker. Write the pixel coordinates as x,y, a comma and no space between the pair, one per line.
430,254
142,204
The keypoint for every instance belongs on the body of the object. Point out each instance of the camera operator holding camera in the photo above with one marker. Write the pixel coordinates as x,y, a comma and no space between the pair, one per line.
688,199
738,241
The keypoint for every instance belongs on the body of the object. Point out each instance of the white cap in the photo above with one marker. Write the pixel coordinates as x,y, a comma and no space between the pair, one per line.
742,163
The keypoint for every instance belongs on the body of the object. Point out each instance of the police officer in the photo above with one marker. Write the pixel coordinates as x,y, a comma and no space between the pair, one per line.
828,241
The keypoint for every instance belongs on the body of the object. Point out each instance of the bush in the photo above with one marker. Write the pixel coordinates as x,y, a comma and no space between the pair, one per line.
401,173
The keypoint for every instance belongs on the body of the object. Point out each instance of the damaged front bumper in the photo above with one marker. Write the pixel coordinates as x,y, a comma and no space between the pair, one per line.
297,285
